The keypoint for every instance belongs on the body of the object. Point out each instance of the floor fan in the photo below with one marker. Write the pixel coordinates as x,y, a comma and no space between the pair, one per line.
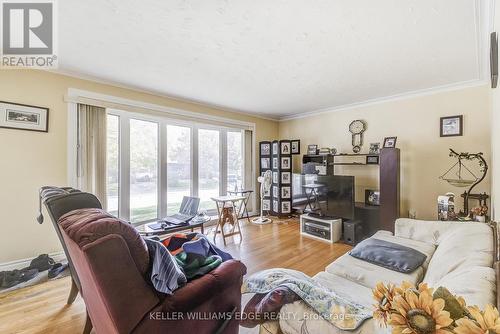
265,185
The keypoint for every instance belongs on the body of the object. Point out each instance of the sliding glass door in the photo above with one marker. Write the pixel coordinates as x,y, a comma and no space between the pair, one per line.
152,163
208,167
143,170
178,166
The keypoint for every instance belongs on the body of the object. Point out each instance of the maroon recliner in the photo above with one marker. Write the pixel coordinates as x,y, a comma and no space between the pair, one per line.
111,261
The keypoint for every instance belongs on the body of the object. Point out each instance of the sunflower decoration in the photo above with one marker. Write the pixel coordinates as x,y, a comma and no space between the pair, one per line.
418,313
384,296
487,322
420,310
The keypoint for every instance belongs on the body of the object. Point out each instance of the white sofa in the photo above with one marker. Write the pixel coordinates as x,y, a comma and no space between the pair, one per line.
460,258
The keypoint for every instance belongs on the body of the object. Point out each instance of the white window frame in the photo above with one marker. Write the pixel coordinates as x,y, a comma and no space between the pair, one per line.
121,107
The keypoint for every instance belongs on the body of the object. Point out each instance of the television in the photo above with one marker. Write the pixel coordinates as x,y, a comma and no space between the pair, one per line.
335,194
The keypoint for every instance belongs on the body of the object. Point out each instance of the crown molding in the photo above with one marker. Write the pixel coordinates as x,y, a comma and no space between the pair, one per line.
159,94
392,98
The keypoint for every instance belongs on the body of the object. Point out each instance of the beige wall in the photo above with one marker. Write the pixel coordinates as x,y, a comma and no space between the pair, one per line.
29,160
415,121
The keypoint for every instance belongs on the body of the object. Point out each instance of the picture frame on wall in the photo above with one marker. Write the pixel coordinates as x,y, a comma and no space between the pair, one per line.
285,147
390,142
23,117
295,146
286,178
266,205
265,148
275,206
286,163
451,126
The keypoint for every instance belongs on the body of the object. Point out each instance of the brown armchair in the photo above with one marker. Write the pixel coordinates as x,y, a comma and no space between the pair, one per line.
111,262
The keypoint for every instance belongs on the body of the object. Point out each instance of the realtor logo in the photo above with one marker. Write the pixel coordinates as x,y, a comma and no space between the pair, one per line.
28,30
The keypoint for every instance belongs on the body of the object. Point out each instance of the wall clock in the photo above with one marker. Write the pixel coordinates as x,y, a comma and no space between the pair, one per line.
356,128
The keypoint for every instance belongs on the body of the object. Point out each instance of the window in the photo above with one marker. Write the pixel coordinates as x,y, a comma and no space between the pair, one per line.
143,170
112,163
208,167
178,166
153,162
234,160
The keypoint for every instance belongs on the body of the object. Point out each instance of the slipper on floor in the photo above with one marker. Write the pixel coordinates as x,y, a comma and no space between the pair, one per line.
15,277
57,269
42,262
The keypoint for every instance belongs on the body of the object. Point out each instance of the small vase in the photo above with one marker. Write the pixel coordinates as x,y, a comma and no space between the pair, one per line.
481,219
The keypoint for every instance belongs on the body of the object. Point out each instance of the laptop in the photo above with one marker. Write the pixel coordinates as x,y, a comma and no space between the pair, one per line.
187,211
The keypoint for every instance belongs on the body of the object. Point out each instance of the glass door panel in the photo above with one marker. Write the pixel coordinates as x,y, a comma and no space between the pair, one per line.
208,167
178,166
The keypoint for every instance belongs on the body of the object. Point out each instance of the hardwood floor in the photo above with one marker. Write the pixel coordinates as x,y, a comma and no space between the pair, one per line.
42,308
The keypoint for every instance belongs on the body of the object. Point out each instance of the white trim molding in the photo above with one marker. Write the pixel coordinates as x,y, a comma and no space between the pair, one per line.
399,97
109,101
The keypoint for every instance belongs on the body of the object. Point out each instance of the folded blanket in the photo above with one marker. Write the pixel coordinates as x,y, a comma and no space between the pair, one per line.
389,255
165,274
195,254
342,313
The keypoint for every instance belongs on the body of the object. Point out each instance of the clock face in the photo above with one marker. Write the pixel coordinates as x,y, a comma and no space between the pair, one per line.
357,126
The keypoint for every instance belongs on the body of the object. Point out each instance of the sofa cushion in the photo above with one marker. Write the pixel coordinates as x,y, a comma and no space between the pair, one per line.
477,285
368,275
423,247
465,246
389,255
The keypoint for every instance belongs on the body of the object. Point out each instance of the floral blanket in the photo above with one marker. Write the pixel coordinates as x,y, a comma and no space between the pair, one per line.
342,313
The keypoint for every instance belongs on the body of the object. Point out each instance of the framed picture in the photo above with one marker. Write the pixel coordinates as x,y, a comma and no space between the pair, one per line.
275,206
372,197
286,207
23,117
285,147
372,159
295,146
275,177
265,163
285,178
267,192
390,142
286,163
452,126
312,149
275,163
276,193
265,148
275,148
266,205
374,148
285,192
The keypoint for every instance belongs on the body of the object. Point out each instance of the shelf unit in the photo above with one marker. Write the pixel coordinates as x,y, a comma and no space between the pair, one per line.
373,217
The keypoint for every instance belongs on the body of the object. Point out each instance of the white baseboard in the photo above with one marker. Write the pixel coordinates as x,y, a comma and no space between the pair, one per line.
23,263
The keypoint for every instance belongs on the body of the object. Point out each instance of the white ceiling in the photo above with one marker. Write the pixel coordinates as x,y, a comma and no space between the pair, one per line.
275,58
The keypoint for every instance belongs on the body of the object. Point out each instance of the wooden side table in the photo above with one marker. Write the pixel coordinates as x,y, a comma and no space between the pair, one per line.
243,211
224,203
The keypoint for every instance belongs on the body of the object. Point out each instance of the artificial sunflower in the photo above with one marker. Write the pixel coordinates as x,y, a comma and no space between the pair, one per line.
384,295
487,322
417,313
